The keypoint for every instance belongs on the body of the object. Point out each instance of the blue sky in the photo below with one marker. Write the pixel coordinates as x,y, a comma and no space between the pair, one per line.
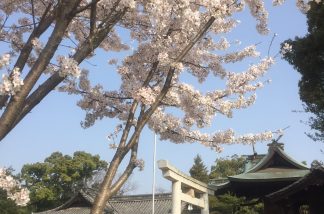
54,125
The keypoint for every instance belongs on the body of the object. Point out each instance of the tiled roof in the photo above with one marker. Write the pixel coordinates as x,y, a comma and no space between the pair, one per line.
275,166
275,171
131,204
72,210
142,204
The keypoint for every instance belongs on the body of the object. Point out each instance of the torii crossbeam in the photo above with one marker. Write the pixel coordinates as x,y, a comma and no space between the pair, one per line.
185,188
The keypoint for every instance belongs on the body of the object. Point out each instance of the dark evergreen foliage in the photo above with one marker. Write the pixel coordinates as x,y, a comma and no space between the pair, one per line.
227,203
307,57
227,166
199,170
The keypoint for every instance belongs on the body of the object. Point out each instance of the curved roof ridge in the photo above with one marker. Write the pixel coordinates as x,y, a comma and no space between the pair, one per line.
67,203
148,196
261,163
291,160
86,195
272,151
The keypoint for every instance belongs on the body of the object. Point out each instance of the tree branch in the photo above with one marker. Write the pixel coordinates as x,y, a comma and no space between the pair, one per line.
43,25
127,172
170,75
16,103
82,53
105,193
4,22
33,12
93,18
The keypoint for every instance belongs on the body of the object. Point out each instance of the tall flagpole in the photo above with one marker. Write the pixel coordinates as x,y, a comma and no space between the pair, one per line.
154,166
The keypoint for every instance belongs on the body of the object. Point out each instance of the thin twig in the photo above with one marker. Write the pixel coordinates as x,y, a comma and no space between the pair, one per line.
4,22
274,35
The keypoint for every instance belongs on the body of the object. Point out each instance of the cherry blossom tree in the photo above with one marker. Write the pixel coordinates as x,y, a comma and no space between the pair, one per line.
171,37
14,190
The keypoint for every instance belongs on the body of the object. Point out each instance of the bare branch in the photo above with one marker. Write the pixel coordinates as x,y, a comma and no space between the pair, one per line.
127,172
81,9
33,12
93,18
4,22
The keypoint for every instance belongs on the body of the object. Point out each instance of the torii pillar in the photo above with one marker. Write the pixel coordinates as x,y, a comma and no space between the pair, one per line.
185,188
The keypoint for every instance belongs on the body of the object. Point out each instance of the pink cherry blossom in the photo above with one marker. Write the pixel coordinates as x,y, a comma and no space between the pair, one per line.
14,191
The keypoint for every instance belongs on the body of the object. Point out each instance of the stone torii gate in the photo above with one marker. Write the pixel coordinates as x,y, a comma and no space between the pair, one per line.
185,188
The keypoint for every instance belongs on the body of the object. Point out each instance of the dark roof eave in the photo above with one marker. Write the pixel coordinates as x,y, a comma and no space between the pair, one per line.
269,176
262,180
299,184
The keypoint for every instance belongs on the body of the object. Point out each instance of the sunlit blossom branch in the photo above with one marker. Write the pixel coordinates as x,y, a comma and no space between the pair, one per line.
55,79
10,114
133,108
105,95
142,121
227,137
196,65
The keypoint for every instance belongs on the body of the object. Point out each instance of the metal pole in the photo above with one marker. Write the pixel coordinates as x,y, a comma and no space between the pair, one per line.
154,166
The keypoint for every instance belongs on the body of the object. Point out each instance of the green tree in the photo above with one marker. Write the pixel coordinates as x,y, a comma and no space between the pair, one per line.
54,181
307,57
227,166
199,170
228,203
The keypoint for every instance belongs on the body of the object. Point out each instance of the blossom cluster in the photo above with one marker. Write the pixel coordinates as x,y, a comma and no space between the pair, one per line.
169,127
113,136
4,60
278,2
303,5
140,164
259,12
68,67
286,48
163,35
11,85
37,45
145,95
162,29
14,191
